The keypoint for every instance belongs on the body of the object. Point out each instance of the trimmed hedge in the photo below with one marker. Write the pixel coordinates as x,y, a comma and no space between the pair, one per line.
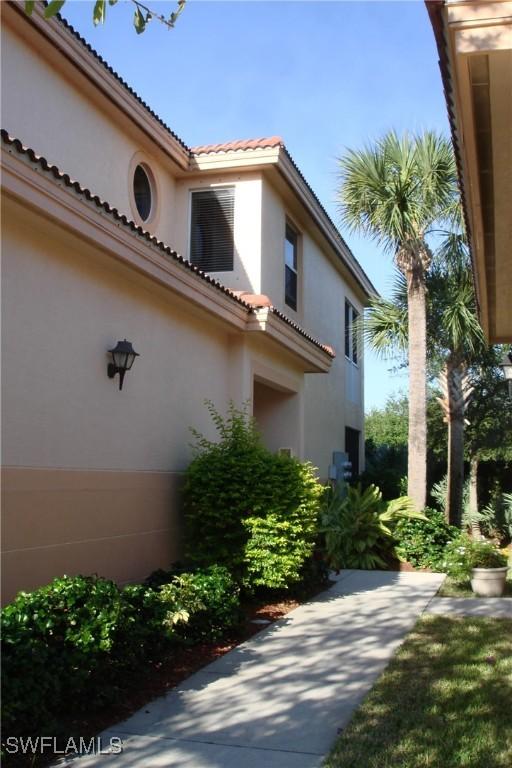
64,645
249,509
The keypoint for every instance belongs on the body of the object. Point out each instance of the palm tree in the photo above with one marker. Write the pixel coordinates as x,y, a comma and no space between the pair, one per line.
454,341
457,337
396,191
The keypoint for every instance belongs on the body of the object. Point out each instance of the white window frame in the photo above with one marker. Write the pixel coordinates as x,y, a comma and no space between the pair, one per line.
213,188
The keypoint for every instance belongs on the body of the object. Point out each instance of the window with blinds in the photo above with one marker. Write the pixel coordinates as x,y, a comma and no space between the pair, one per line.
211,236
351,316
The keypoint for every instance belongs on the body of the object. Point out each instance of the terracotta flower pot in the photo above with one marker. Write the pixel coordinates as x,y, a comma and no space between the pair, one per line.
489,582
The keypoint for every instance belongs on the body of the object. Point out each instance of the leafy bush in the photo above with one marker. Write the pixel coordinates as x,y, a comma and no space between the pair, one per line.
56,642
422,542
358,529
463,554
208,601
64,645
248,509
499,511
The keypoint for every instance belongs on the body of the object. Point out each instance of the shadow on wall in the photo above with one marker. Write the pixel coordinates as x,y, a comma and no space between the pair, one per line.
277,416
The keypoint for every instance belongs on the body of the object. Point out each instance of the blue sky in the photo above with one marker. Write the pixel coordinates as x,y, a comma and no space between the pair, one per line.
323,75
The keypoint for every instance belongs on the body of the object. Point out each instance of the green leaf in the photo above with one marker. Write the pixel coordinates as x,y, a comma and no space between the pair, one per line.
29,6
53,8
99,13
112,2
139,22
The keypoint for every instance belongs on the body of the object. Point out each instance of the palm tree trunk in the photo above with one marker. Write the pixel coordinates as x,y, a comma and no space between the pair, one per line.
457,392
417,456
455,470
473,497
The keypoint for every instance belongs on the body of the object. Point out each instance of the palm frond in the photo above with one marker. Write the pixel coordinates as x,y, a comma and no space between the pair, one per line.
395,189
385,326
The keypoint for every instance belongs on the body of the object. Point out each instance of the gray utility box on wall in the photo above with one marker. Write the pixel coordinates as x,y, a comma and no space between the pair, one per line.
340,471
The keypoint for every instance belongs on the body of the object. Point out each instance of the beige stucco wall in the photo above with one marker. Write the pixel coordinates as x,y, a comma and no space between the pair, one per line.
121,525
246,275
92,474
274,218
335,400
65,122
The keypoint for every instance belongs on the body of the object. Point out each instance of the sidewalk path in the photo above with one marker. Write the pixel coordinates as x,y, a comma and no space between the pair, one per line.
278,700
495,607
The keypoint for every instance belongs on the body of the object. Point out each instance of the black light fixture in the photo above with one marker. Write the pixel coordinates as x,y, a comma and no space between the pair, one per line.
123,356
506,367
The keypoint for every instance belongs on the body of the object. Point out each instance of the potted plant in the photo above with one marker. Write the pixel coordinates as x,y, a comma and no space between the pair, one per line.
479,562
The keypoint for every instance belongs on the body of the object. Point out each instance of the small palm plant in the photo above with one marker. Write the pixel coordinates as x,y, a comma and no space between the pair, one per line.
358,528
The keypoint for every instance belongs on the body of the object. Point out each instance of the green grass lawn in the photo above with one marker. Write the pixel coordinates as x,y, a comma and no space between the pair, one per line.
445,701
450,588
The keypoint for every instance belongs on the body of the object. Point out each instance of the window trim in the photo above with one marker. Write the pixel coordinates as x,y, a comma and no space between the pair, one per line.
139,158
209,188
290,226
352,312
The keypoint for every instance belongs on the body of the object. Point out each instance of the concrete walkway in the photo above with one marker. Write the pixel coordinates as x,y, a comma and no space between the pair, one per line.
494,607
279,700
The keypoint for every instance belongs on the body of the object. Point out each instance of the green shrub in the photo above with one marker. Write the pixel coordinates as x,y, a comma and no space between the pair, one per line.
463,554
422,542
66,645
201,606
248,509
358,528
56,643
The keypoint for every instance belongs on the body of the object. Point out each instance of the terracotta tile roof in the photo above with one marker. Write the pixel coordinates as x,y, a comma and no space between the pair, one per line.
261,301
254,299
234,146
325,347
247,300
276,141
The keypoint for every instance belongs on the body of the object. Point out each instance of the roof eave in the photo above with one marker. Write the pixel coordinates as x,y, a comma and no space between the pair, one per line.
79,54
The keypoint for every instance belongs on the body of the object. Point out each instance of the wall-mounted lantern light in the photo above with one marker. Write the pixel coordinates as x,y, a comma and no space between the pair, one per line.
506,367
123,356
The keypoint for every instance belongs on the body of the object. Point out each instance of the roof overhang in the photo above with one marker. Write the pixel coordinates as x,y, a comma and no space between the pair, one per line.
276,160
474,41
59,44
41,188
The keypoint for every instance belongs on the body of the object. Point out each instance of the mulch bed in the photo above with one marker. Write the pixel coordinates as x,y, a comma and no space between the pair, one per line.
158,677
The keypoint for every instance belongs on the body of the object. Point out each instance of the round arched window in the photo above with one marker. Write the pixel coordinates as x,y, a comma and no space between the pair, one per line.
142,192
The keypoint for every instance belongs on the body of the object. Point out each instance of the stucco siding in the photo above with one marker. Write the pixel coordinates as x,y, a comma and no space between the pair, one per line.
64,306
246,275
63,121
330,405
121,525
